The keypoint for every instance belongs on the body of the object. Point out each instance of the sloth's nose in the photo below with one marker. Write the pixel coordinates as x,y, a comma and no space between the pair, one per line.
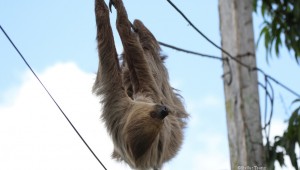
160,112
163,112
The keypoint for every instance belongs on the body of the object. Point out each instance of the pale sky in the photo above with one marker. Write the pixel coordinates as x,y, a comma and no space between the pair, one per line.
58,40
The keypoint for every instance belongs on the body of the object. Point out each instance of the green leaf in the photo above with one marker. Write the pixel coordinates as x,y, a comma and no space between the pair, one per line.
263,9
280,158
254,5
296,10
293,118
293,158
298,137
277,45
264,29
267,38
283,17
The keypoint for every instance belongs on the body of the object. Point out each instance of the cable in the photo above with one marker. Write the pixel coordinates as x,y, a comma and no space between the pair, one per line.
277,82
191,24
220,58
230,56
204,36
181,49
51,96
190,52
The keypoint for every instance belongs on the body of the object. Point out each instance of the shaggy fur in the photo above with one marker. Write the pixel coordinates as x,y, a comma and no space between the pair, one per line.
142,113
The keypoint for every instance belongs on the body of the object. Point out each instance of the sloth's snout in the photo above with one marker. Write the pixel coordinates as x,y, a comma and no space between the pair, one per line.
163,112
160,112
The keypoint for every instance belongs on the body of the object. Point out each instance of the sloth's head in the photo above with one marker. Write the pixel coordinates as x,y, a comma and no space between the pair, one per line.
144,123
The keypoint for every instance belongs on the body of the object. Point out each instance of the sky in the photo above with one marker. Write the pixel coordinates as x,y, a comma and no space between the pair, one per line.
58,40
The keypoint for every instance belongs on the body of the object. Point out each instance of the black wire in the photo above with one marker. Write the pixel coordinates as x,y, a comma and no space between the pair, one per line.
190,52
51,96
277,82
205,37
229,55
191,24
181,49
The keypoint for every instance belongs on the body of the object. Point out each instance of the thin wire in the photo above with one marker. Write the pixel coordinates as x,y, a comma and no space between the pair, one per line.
181,49
277,82
229,55
220,58
205,37
284,86
203,55
191,24
51,96
190,52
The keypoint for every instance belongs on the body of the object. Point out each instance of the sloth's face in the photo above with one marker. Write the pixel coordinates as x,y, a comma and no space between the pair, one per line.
144,122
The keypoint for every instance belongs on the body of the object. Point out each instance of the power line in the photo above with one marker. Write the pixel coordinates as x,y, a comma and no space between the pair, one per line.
222,59
277,82
204,36
190,52
229,55
20,54
191,24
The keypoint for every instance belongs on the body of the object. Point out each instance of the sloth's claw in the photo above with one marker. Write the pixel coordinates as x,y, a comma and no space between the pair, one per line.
111,3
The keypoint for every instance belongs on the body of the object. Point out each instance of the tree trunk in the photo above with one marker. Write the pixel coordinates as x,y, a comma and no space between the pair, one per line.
241,85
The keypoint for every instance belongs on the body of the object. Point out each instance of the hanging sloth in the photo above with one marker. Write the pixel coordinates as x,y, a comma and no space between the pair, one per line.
141,111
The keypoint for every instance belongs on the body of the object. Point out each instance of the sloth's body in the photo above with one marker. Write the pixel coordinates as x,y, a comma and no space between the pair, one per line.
142,113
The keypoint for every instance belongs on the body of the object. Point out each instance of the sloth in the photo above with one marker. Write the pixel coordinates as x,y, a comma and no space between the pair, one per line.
143,114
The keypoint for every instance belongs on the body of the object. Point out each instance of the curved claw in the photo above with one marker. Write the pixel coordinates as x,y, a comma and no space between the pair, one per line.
111,3
133,27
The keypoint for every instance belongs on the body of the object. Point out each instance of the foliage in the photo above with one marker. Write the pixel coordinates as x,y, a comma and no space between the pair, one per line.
281,27
285,144
281,20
